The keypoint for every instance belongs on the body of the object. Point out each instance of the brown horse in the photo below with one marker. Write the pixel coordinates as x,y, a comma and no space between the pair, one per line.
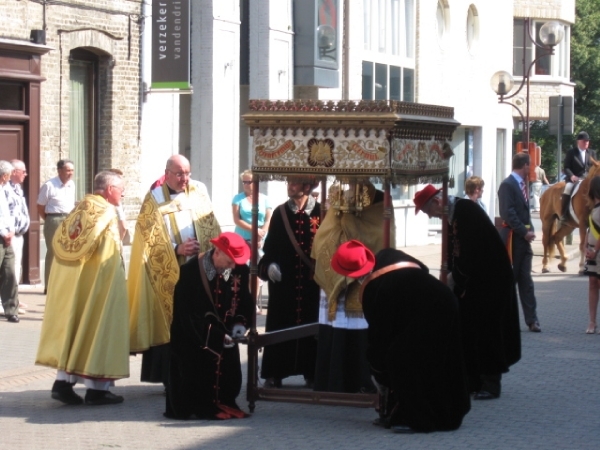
550,211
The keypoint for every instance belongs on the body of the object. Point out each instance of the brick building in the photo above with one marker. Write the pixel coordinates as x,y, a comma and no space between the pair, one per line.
69,87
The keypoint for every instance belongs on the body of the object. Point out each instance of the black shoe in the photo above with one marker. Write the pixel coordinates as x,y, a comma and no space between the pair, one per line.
534,327
13,318
97,397
485,395
382,422
63,392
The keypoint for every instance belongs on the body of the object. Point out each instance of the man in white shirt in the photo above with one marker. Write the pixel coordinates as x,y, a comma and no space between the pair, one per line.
55,200
8,283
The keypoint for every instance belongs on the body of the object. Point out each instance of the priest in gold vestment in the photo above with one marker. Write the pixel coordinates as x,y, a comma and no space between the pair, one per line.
85,332
176,222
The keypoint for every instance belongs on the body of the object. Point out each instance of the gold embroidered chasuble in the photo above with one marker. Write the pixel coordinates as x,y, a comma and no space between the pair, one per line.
85,330
334,231
163,222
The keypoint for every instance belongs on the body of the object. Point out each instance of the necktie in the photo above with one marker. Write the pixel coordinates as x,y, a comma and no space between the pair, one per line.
524,190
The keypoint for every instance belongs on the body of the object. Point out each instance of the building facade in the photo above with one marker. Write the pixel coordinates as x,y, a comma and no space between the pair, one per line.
76,76
439,52
70,88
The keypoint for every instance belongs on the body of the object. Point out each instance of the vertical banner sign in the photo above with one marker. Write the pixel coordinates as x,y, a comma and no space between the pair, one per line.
171,44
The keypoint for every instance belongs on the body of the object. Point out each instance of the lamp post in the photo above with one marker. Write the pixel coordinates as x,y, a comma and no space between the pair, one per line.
551,34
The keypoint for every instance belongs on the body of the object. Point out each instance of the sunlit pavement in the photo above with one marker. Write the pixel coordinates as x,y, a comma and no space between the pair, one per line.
549,398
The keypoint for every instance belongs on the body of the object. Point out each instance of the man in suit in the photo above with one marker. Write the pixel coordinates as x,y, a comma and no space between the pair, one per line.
518,233
576,166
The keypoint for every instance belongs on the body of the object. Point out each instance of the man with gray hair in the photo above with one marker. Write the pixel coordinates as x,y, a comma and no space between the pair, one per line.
19,211
8,283
85,332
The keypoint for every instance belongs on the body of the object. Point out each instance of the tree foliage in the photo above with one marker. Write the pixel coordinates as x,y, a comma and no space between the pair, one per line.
585,67
585,73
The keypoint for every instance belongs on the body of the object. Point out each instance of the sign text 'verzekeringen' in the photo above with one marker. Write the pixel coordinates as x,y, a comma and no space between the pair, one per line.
170,43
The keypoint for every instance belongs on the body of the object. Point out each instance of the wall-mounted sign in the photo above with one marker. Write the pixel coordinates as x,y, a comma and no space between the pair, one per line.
171,44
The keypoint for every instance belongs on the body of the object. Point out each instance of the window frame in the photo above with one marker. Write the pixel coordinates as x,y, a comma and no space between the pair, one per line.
559,62
21,94
399,55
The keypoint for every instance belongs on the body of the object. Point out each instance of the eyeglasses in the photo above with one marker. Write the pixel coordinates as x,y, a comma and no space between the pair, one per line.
181,174
247,182
21,170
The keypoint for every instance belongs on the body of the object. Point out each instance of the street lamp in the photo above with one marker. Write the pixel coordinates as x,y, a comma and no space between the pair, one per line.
502,82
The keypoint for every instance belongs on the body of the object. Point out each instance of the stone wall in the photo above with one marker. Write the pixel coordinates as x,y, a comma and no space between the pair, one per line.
111,30
546,9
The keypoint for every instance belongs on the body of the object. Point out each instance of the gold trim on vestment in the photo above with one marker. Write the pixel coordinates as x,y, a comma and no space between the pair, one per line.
334,231
75,238
154,267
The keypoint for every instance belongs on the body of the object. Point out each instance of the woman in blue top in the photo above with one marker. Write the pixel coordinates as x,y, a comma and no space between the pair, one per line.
242,211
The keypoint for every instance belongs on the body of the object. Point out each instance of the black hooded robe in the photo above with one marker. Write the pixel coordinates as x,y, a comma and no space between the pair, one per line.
415,346
486,295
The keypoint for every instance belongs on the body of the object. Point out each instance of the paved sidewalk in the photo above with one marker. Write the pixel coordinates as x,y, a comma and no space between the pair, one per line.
548,399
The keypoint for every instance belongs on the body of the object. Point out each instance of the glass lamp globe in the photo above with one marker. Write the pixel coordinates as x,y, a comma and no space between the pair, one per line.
552,33
326,36
502,82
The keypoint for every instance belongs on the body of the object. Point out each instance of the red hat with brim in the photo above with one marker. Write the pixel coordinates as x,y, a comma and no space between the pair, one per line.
353,259
423,196
234,246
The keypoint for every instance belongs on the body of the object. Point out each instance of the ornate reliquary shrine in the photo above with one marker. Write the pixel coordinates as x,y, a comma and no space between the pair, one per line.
354,141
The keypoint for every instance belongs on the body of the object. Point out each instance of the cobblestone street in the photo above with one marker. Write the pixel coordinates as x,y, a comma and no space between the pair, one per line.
548,398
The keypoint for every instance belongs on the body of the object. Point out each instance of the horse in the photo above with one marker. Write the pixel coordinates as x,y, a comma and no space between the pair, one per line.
550,212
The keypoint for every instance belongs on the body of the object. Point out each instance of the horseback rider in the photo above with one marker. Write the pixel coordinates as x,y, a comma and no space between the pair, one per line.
576,167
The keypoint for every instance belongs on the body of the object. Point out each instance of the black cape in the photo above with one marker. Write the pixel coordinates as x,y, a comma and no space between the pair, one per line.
415,346
294,300
205,378
484,286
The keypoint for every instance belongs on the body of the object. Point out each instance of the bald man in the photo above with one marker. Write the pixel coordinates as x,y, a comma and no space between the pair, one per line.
176,223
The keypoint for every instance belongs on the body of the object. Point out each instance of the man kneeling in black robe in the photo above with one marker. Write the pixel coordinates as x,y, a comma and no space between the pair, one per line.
212,306
414,345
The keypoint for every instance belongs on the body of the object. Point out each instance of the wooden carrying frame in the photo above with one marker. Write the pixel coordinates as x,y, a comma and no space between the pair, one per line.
391,142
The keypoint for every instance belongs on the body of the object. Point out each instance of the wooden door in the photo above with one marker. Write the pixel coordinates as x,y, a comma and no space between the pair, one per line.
12,141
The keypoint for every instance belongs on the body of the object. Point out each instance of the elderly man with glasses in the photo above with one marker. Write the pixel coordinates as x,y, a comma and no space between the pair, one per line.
176,222
19,211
